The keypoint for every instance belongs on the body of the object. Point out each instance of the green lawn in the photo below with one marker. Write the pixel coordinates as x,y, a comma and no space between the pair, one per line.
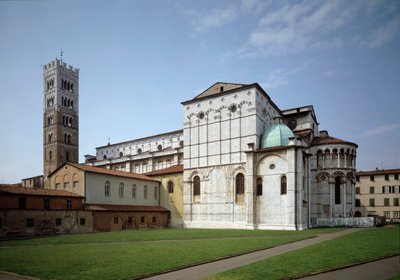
123,255
354,248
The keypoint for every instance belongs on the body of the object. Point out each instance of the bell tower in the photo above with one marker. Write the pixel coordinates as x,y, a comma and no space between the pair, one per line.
61,116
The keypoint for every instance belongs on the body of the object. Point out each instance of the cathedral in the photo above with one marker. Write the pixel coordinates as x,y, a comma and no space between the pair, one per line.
242,162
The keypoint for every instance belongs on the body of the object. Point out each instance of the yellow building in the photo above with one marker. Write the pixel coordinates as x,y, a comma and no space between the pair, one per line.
171,192
378,193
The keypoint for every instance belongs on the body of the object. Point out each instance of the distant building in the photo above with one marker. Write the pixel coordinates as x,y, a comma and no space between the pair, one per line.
378,193
119,200
33,182
31,211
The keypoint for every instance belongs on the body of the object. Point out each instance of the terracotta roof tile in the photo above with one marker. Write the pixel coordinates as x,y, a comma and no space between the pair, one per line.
35,191
101,170
378,172
169,170
329,140
111,207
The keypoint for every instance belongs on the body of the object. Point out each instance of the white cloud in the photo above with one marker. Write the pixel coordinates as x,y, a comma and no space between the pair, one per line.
382,35
381,130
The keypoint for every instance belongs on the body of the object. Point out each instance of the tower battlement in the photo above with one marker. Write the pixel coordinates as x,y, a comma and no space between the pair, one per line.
56,62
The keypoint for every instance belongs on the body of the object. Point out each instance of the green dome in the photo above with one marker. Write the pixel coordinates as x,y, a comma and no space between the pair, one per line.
276,135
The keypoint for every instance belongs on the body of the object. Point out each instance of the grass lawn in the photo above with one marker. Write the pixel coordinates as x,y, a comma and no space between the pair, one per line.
123,255
354,248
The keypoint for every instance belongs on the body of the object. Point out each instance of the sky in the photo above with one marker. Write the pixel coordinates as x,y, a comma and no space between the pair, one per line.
139,60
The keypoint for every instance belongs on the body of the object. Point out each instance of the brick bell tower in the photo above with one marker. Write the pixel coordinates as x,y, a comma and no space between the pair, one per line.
61,116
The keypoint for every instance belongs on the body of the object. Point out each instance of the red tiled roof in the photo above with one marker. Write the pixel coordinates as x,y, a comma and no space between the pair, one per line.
112,207
34,191
329,140
169,170
101,170
378,172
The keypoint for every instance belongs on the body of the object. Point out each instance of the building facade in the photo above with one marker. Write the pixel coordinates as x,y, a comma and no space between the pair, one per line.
378,194
61,116
119,200
246,163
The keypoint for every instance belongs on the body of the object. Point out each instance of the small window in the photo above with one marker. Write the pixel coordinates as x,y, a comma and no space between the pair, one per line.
69,204
386,214
386,202
29,222
121,154
372,202
145,192
170,187
396,201
358,203
121,189
139,151
82,221
396,176
154,220
372,178
201,115
239,185
337,189
357,190
142,219
58,186
107,188
387,177
76,184
283,185
46,204
116,220
396,214
130,220
371,189
155,193
159,147
66,185
22,202
58,221
134,191
259,191
196,188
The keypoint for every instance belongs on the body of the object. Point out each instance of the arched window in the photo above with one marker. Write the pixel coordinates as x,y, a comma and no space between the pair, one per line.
107,188
133,191
72,87
159,147
121,189
259,190
239,188
337,189
72,104
121,154
49,138
67,156
283,185
139,151
145,192
196,188
155,193
170,186
104,157
65,138
50,155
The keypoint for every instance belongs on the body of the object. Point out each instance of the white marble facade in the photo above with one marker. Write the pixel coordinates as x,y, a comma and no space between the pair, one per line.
232,177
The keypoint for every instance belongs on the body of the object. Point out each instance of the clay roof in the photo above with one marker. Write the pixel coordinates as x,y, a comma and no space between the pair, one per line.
378,172
216,88
35,191
101,170
329,140
137,208
169,170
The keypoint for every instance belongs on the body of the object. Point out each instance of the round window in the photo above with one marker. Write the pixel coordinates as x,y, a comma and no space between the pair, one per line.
201,115
272,166
233,108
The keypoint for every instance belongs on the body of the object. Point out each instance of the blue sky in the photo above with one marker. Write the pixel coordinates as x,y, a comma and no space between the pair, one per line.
139,59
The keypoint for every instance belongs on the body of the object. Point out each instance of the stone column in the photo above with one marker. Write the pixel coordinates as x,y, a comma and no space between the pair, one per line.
344,182
249,187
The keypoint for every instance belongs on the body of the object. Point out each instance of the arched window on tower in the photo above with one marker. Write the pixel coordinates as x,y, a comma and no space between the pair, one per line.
283,185
49,137
50,155
67,156
239,185
337,189
196,189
